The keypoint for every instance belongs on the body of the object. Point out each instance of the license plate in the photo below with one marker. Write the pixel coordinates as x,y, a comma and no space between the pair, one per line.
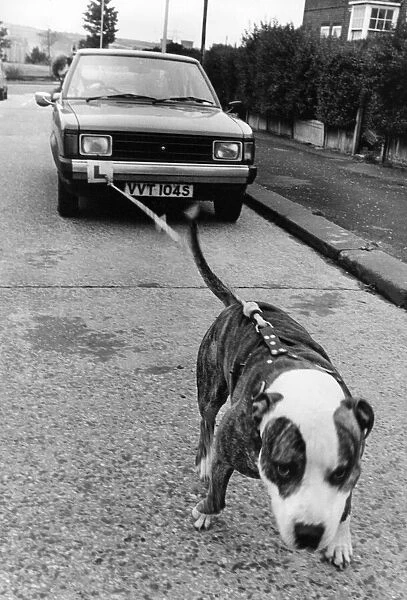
160,190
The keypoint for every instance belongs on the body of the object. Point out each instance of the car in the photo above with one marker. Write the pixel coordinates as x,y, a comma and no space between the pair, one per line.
151,124
3,82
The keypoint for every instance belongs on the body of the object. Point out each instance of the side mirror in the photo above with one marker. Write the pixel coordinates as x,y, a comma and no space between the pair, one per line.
237,107
44,98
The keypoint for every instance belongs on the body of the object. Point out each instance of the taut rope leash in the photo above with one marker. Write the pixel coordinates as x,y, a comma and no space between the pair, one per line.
251,310
160,223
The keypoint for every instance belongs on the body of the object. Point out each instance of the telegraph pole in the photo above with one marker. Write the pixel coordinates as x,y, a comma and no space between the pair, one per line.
203,39
102,14
164,40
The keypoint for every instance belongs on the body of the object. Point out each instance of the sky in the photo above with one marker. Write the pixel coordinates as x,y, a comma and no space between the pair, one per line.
143,20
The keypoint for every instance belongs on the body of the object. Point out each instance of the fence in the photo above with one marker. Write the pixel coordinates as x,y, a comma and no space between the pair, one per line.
315,133
397,150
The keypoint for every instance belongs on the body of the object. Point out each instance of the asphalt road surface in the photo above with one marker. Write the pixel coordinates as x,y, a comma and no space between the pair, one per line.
369,200
100,322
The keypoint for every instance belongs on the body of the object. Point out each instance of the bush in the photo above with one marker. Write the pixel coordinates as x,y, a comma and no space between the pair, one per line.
277,71
13,72
343,81
387,110
37,57
267,68
288,73
221,66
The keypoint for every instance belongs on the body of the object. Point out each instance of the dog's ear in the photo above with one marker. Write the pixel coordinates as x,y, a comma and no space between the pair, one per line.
262,403
364,415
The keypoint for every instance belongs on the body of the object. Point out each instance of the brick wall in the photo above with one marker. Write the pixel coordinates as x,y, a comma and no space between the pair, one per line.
403,11
319,13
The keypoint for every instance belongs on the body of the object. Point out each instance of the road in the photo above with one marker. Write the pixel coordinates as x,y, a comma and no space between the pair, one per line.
369,200
100,322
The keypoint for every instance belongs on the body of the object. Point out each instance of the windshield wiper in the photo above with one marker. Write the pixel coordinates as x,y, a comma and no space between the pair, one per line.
183,99
123,95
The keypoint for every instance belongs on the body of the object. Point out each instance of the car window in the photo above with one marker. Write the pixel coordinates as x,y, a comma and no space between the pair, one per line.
95,75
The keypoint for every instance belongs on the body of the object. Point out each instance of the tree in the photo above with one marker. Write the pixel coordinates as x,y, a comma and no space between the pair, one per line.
4,42
92,19
37,57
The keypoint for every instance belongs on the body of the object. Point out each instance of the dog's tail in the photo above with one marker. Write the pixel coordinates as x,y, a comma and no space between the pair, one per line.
217,287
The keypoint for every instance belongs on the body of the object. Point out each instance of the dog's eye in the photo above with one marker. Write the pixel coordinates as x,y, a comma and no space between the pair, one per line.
285,470
339,475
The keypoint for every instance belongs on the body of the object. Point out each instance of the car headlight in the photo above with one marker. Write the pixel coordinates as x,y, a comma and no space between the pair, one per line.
227,150
100,145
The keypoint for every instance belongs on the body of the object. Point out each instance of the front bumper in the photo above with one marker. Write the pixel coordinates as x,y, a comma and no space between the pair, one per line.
77,170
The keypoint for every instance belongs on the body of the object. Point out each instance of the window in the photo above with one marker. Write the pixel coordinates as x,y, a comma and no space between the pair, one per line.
325,31
381,19
371,16
356,35
336,31
102,74
356,22
358,17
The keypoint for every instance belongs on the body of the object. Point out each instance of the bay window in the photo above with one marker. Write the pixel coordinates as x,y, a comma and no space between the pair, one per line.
369,17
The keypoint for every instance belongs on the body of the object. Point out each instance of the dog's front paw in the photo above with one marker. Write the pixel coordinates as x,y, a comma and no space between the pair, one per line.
203,521
339,551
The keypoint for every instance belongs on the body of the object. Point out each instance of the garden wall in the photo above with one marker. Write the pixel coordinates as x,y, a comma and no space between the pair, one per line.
315,133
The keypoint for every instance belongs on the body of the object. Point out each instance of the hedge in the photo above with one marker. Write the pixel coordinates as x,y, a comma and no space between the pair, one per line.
289,73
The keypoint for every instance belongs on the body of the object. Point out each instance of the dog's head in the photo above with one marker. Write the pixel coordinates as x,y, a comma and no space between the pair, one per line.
312,440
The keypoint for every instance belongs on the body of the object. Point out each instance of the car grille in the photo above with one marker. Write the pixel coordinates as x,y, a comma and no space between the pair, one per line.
162,148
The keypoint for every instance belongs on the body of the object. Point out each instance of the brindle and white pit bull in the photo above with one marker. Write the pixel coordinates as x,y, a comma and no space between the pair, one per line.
292,421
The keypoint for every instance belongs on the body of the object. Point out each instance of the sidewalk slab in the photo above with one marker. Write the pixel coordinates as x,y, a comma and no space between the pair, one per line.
386,274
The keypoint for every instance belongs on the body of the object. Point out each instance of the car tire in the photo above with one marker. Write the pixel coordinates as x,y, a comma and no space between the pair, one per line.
68,203
2,96
228,209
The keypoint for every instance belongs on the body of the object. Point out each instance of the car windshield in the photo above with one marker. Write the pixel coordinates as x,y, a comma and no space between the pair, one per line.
138,79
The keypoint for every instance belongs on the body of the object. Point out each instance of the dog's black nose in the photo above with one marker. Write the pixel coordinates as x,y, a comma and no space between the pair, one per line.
308,536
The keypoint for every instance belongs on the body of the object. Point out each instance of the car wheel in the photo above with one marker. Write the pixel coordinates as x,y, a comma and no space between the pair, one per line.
2,97
5,95
228,209
68,203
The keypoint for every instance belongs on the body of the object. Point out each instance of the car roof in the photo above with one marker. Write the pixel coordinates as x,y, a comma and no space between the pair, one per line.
139,53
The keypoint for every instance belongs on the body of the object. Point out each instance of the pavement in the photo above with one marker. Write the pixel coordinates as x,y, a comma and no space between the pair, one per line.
384,273
100,323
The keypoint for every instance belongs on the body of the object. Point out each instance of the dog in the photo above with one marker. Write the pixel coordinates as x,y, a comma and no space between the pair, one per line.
292,421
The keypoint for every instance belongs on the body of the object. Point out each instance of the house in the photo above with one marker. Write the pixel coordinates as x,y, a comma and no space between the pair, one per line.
353,19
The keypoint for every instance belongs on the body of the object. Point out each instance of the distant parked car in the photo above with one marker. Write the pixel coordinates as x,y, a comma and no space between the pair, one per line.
3,82
153,124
